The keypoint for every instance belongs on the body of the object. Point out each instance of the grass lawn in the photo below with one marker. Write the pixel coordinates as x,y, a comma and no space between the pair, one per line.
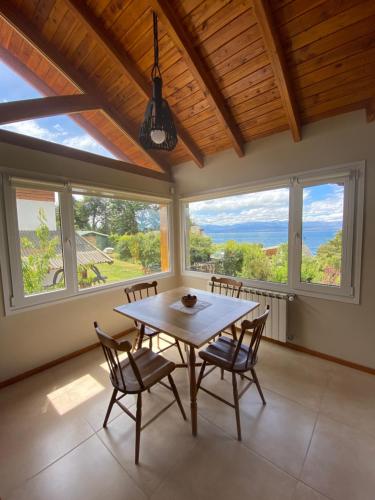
120,270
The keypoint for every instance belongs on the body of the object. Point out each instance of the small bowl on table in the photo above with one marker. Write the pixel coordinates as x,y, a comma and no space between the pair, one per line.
189,300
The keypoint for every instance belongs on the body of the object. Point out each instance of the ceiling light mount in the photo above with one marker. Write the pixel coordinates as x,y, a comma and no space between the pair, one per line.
158,130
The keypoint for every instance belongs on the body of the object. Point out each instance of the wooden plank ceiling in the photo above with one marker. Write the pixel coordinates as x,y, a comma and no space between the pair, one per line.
233,70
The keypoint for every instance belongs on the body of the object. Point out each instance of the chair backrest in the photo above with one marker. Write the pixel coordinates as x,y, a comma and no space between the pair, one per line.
256,328
140,291
111,347
226,286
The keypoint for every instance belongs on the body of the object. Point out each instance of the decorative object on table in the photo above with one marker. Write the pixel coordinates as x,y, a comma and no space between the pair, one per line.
199,306
158,130
189,300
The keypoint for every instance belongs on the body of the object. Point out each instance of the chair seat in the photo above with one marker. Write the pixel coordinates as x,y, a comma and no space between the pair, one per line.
221,354
152,368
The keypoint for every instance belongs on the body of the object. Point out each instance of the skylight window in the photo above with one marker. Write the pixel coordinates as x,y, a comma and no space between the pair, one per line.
58,129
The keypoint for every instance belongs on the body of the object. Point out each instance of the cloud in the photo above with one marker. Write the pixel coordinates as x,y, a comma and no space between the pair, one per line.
320,204
57,134
262,206
32,129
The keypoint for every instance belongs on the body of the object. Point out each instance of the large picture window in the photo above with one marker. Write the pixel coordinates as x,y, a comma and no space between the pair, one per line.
118,239
65,240
242,236
303,235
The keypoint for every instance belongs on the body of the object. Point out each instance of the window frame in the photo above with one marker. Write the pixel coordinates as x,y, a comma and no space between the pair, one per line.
353,176
14,298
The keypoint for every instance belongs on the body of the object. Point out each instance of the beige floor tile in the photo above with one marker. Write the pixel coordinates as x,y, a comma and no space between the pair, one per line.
163,442
88,472
340,462
219,467
280,431
350,398
32,433
303,492
292,374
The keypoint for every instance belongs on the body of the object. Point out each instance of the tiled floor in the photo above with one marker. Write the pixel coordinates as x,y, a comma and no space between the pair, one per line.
315,439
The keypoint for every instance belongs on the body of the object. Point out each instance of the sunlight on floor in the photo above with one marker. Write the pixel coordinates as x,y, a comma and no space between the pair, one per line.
77,392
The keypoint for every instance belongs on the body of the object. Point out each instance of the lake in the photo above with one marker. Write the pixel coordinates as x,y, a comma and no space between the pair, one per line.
273,233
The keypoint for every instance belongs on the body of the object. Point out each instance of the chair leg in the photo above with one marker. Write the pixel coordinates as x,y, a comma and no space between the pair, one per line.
138,427
255,378
111,403
176,395
222,373
158,341
151,343
179,350
236,406
201,373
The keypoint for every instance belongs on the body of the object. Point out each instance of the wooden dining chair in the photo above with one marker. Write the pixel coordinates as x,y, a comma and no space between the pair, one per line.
226,286
230,288
235,357
139,292
134,375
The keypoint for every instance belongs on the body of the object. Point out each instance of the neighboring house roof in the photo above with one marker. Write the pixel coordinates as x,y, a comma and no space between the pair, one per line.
87,253
88,231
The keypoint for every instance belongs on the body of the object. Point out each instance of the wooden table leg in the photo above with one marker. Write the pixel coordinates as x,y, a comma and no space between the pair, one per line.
234,331
193,390
141,335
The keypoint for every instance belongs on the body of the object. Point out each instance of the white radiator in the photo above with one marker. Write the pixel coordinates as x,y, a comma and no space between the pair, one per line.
276,325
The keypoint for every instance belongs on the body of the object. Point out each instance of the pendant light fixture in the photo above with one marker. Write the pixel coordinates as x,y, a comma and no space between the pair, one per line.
157,130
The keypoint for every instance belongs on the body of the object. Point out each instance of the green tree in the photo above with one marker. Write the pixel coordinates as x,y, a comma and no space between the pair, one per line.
149,250
233,258
201,247
36,266
256,264
279,264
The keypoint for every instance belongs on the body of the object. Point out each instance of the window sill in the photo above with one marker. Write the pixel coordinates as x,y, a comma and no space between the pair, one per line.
86,292
279,287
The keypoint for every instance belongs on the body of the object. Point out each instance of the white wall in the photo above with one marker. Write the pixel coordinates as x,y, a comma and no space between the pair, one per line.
28,214
343,330
31,338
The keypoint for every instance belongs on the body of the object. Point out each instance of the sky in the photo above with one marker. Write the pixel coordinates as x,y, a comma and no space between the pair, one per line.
322,203
59,129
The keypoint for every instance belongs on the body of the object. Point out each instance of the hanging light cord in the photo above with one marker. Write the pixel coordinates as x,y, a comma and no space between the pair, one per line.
156,69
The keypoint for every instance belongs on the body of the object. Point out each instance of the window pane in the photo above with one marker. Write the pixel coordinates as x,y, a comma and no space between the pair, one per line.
243,235
118,240
322,222
39,226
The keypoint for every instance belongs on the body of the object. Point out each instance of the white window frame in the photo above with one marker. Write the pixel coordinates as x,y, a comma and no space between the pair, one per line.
15,300
352,175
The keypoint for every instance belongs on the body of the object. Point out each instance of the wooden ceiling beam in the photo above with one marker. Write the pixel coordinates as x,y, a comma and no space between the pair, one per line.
197,67
77,154
97,30
42,107
267,27
27,31
370,110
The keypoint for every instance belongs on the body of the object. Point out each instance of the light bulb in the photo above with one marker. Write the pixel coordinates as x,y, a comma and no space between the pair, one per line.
157,136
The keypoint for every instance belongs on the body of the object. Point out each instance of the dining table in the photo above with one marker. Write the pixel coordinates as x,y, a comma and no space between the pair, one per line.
194,326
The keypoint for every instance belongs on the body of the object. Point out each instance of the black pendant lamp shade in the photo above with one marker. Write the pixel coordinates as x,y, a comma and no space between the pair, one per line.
158,130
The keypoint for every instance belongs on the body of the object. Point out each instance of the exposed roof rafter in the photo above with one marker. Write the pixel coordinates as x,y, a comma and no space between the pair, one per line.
97,30
12,16
42,107
77,154
197,67
274,49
